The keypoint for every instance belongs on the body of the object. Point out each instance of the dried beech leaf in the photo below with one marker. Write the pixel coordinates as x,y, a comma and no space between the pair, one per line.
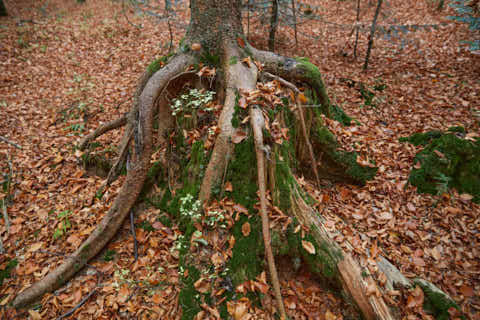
238,136
246,229
308,246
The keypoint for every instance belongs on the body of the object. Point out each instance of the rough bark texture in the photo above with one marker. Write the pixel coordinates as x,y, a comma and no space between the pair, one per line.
214,20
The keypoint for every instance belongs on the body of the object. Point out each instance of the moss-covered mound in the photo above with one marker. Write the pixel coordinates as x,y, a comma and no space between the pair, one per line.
448,160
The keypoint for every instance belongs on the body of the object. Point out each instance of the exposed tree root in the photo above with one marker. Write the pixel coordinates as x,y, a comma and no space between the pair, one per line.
237,77
127,196
257,122
111,125
357,285
306,135
298,70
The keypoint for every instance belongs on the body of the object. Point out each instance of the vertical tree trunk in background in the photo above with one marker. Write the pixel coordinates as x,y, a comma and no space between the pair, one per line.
357,27
372,34
273,25
295,24
3,9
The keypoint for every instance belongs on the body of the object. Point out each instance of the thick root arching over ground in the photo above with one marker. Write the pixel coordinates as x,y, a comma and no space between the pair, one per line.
254,146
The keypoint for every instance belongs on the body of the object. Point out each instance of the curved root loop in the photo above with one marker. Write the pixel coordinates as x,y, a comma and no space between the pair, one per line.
126,197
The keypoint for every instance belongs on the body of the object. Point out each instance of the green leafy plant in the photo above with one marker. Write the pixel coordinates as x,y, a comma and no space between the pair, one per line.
76,128
109,255
63,225
191,101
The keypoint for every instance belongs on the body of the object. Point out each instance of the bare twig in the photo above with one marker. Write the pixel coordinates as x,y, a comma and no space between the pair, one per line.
248,19
167,10
115,170
126,17
302,122
10,142
5,216
81,303
357,28
100,275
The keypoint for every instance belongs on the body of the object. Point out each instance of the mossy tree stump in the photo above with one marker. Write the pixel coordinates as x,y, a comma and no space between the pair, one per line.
260,140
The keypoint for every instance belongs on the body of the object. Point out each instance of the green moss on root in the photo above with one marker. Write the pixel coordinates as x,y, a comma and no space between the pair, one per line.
436,301
338,164
242,174
157,64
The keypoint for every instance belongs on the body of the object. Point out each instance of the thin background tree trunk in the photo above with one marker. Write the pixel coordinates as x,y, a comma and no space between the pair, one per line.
273,25
295,24
357,27
372,34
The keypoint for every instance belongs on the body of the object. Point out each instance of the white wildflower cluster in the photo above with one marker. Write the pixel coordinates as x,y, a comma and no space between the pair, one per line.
190,208
121,277
214,217
192,100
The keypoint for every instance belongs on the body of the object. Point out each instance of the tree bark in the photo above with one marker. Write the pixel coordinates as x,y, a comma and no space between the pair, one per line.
3,9
372,34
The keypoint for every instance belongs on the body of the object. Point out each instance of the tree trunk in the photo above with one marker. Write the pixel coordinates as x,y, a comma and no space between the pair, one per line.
214,191
3,9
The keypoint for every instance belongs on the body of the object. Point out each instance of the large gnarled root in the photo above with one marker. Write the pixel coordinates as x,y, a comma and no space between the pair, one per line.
128,194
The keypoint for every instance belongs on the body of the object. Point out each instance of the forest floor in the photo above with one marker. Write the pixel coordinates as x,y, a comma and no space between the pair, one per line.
67,67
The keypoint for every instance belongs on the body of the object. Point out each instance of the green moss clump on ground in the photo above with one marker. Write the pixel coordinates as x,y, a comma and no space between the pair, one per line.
447,161
340,115
189,297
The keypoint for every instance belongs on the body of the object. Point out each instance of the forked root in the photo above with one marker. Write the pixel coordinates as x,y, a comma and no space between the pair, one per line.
127,195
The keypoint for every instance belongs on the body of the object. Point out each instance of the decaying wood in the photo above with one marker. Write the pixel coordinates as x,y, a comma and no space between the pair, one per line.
362,289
